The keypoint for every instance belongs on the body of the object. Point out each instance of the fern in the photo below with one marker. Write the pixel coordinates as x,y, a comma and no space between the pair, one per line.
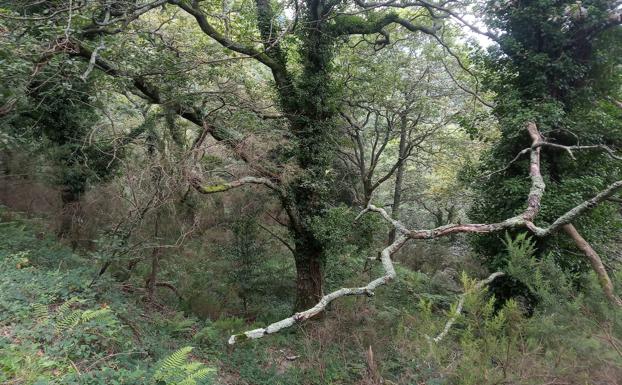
173,362
40,312
65,306
63,311
66,319
197,377
176,370
91,315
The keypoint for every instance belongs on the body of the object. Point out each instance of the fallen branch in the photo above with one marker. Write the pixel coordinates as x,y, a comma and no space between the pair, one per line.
389,274
522,220
167,285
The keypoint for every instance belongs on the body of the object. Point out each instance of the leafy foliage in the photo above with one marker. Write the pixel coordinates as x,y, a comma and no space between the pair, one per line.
208,91
559,71
58,330
175,369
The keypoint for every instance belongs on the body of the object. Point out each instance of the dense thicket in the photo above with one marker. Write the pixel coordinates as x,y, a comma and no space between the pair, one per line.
226,170
556,65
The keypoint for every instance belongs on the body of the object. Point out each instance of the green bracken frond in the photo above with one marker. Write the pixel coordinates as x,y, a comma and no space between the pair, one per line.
65,307
174,362
39,312
65,318
68,321
176,370
197,377
90,315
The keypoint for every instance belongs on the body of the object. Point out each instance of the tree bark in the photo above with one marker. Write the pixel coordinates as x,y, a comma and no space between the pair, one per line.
309,276
399,177
595,261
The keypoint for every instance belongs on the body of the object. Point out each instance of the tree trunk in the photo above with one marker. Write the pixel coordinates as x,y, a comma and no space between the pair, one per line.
595,261
399,177
309,277
153,276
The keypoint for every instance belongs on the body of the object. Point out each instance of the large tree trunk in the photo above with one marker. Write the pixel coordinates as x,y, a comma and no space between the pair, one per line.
309,276
310,106
399,177
595,261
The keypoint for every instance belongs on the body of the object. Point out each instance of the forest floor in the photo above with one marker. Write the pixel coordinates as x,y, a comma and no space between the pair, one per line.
56,327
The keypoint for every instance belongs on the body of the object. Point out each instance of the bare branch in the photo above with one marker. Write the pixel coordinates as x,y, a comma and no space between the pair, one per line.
467,90
278,237
92,61
595,261
524,220
570,149
575,212
368,290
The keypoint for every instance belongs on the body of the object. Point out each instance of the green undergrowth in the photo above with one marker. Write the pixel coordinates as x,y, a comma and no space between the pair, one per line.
57,328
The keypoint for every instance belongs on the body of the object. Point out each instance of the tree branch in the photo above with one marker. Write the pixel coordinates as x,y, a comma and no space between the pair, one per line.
575,212
357,25
524,219
595,261
278,237
197,183
209,30
151,93
389,274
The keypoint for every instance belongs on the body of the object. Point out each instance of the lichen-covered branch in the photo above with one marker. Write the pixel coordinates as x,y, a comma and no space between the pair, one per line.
576,211
358,25
522,220
92,60
389,274
203,188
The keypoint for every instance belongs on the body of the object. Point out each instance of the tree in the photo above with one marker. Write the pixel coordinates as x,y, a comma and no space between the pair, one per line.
302,72
400,113
161,58
59,115
557,64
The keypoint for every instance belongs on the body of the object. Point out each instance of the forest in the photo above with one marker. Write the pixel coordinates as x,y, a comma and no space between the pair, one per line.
265,192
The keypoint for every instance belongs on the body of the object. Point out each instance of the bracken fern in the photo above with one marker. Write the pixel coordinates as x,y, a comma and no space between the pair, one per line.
175,370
